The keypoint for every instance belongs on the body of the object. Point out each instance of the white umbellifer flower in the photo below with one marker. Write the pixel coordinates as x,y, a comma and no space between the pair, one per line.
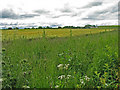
61,77
56,86
60,65
87,78
26,87
68,76
66,66
1,79
82,81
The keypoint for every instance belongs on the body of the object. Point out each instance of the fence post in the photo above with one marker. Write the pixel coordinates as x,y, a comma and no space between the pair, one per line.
105,30
70,33
90,33
43,33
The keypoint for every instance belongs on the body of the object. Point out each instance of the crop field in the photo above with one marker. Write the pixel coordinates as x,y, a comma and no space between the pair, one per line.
37,33
60,58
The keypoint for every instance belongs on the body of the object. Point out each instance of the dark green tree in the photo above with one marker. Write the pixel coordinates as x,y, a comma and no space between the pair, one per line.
40,27
9,28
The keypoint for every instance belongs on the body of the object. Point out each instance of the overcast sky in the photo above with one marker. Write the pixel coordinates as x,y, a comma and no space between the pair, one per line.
58,12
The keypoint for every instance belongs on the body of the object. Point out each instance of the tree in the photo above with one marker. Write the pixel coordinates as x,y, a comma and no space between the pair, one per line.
59,27
87,26
48,27
10,28
16,28
33,28
90,26
26,28
40,27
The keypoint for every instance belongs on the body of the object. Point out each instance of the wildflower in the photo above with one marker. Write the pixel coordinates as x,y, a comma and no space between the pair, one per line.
68,76
61,77
82,81
56,86
66,66
60,66
1,79
87,78
26,86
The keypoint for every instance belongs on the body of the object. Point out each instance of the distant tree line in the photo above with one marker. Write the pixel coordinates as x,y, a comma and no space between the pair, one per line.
65,27
10,28
68,27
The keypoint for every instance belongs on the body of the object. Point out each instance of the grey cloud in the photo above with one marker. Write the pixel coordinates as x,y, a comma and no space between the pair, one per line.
66,9
71,15
28,15
75,14
57,16
92,4
41,11
93,18
68,14
54,24
10,14
114,9
109,13
19,25
106,16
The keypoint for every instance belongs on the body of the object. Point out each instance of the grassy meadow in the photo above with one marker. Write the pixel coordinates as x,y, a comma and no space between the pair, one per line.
60,58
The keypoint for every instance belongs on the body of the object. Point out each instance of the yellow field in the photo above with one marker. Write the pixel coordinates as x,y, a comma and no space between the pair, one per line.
36,33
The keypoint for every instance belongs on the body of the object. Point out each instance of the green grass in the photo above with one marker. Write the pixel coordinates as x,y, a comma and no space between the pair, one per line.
88,61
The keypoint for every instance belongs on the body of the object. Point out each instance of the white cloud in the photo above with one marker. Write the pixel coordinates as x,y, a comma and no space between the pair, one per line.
61,12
